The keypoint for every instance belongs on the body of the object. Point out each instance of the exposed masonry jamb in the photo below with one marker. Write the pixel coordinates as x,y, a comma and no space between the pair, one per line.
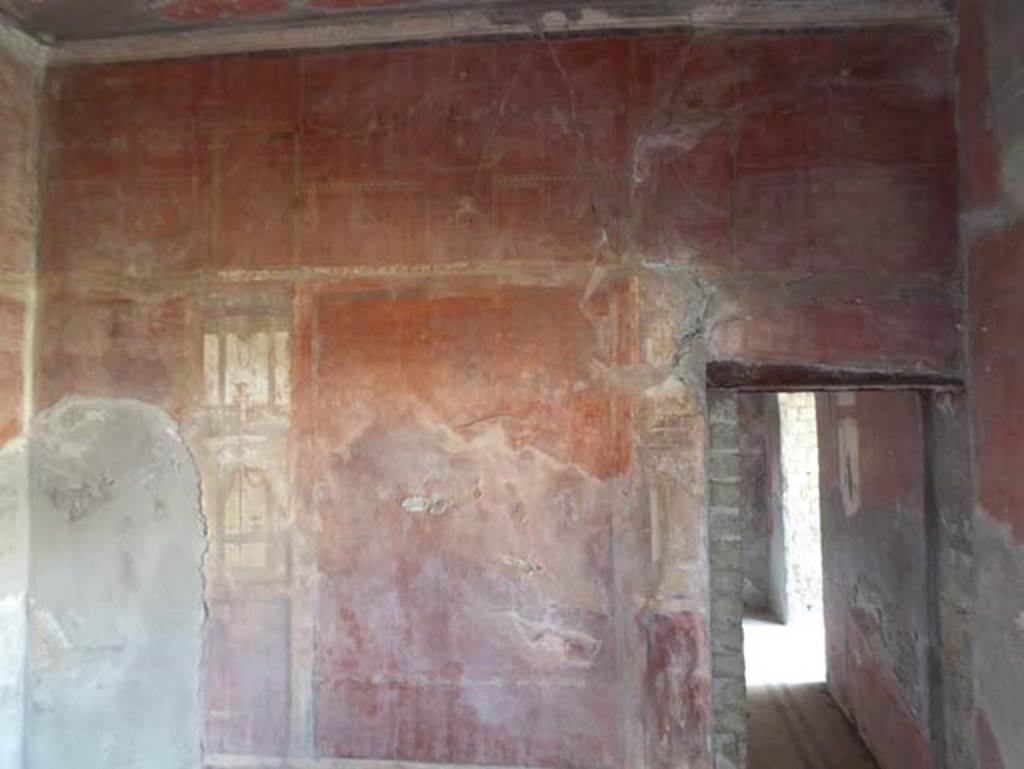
725,555
936,713
948,486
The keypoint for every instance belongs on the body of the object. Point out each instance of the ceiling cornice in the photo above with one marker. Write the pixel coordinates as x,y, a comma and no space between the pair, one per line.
436,25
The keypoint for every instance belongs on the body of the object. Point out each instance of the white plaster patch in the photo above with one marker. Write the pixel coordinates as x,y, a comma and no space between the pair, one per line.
552,644
432,505
12,667
117,598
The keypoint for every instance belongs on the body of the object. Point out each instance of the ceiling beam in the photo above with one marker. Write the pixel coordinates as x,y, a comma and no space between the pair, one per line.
447,24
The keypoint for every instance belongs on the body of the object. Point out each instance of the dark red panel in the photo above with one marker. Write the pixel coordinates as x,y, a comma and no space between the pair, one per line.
363,222
800,220
676,689
778,325
137,122
466,615
683,74
256,94
138,227
255,200
246,694
787,68
685,192
997,309
563,108
920,58
116,347
896,123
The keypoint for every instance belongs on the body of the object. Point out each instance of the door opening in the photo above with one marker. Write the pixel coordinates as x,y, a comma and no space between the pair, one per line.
840,571
784,626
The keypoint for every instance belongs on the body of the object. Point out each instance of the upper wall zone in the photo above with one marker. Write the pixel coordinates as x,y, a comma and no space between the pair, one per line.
808,179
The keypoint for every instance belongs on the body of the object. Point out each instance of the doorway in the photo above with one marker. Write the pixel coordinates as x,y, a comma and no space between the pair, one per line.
840,579
792,718
784,626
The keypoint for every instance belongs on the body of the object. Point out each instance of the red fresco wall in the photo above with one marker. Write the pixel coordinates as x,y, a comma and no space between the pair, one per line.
18,105
478,626
397,298
991,126
871,460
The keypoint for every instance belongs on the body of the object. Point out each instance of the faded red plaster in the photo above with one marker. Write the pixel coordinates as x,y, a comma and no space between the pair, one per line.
676,690
695,165
114,347
989,755
208,10
167,182
353,4
138,123
17,175
246,687
752,324
12,324
256,175
683,74
997,305
901,56
818,204
874,557
890,474
980,158
478,152
893,734
467,372
458,441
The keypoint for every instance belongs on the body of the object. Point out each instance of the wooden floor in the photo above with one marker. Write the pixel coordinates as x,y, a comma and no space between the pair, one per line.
793,722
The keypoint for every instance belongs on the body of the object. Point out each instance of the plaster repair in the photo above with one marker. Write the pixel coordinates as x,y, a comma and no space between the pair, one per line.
116,609
13,589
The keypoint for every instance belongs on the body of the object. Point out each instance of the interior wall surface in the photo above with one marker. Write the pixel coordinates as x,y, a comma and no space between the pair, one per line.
991,120
875,558
756,418
112,676
435,323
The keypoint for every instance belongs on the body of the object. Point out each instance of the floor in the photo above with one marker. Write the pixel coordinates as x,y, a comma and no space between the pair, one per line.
793,722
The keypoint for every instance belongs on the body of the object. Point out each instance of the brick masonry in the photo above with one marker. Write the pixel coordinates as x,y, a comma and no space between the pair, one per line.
725,555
